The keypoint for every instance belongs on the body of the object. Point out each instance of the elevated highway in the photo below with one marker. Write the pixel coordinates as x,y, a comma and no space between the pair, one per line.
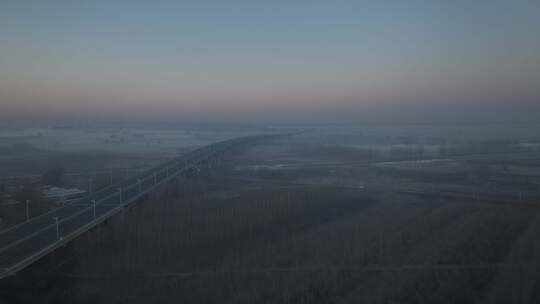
24,244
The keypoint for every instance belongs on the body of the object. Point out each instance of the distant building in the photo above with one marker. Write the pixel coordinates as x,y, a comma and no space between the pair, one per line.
61,194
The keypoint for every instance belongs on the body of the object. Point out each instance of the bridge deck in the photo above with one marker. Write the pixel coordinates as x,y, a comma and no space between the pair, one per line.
27,242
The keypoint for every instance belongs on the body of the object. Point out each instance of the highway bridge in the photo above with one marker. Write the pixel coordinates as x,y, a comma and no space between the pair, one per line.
23,244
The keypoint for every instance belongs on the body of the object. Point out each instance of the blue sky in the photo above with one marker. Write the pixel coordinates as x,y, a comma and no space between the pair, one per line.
238,59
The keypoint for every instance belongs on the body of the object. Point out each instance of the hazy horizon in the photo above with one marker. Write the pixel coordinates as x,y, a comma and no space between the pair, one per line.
345,61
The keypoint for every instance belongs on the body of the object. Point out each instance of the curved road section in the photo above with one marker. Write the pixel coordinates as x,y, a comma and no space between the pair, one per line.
27,242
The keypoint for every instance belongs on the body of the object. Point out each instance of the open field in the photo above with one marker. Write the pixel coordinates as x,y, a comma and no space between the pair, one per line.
291,222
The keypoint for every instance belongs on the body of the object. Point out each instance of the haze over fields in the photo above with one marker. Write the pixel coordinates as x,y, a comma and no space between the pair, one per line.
301,152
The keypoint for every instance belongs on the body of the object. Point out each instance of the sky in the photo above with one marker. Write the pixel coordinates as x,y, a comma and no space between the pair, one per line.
272,61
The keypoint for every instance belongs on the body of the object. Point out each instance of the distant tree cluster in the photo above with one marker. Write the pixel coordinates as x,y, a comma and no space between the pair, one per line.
53,177
19,148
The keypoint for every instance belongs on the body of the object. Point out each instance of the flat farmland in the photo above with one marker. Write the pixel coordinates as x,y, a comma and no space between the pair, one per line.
274,226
